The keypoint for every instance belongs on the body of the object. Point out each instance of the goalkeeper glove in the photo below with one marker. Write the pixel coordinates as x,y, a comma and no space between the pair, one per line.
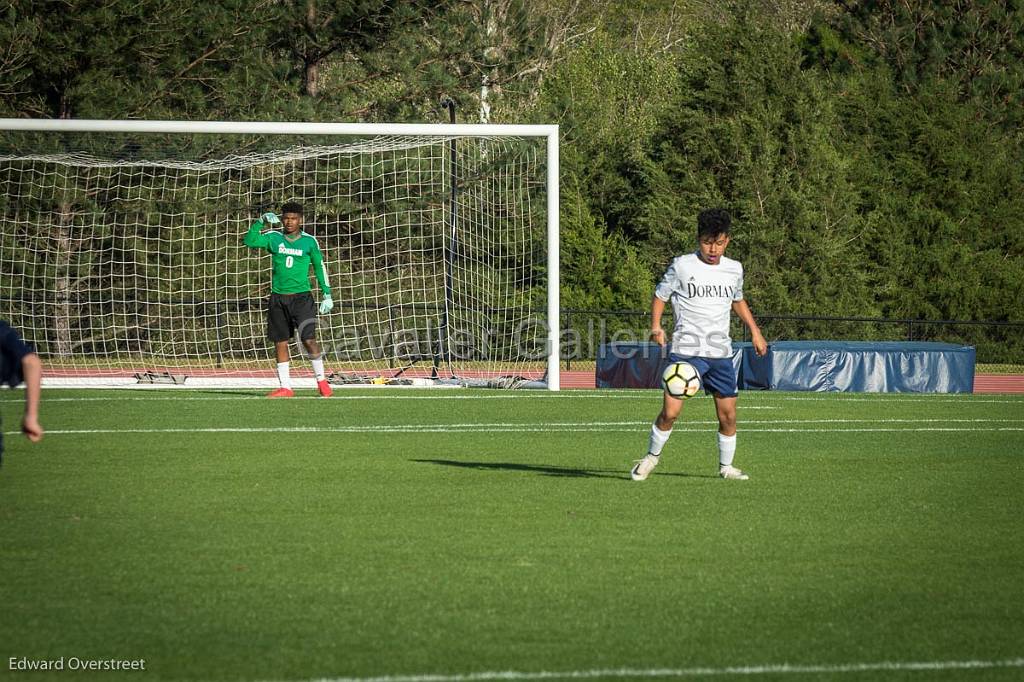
270,218
326,306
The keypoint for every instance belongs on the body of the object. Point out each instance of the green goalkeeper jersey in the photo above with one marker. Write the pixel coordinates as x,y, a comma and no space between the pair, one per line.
291,260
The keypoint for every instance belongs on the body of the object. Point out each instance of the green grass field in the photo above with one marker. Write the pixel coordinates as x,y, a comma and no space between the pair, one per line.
454,535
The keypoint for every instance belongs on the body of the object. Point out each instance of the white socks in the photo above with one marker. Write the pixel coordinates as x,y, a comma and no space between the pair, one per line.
318,367
658,440
726,449
284,371
726,445
284,374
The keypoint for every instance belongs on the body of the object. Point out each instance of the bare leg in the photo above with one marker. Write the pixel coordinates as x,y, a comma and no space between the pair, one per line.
726,408
312,347
281,348
670,410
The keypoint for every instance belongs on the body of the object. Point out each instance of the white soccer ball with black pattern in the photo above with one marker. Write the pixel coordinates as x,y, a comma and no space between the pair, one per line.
680,380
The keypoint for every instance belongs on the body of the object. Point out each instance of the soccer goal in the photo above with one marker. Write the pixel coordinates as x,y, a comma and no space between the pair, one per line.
123,261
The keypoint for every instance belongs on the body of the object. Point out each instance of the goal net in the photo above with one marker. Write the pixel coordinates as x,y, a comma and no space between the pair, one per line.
123,258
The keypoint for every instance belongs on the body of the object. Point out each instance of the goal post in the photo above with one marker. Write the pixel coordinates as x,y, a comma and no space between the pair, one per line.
121,245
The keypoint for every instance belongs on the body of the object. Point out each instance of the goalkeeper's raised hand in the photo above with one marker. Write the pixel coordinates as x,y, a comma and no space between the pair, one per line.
327,305
270,218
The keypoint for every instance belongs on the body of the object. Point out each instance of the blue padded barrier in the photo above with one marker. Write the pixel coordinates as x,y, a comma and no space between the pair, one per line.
871,366
857,366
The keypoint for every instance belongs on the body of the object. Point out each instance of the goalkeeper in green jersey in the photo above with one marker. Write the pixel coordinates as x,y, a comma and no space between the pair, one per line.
291,308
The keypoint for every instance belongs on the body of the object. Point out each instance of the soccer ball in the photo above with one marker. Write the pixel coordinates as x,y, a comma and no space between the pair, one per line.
680,380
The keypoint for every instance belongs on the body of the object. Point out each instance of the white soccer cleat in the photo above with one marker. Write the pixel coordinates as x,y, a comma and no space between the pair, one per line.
731,472
643,468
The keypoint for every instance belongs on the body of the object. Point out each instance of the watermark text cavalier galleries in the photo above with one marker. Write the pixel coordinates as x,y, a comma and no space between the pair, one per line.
74,663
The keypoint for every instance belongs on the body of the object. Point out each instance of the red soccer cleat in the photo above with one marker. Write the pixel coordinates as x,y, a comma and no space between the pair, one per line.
324,388
281,393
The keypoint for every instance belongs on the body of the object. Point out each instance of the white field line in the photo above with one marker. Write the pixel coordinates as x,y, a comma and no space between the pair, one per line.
922,398
181,396
632,673
884,420
617,394
749,426
190,398
196,394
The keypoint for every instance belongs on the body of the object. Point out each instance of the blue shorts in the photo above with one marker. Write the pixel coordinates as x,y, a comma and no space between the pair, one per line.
718,375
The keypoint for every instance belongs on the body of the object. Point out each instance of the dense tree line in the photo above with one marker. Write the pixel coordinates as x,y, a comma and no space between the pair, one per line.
871,151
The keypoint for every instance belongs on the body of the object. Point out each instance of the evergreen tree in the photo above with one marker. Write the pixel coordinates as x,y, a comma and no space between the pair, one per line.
609,102
871,150
753,132
977,47
144,59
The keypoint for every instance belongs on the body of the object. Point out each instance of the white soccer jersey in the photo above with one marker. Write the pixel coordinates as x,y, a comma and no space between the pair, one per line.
702,296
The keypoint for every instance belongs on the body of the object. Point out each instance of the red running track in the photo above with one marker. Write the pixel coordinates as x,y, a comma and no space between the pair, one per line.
983,383
999,383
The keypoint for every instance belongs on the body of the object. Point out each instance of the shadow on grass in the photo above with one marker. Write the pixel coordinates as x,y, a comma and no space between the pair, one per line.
547,470
244,392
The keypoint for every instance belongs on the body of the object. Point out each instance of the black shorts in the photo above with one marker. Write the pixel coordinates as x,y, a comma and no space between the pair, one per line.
288,313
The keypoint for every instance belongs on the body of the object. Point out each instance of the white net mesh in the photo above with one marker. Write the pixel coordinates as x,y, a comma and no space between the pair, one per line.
434,247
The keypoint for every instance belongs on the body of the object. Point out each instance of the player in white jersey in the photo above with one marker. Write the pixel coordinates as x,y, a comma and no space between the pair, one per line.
703,288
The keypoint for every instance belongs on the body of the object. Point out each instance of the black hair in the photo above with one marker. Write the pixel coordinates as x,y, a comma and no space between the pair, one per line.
292,207
713,222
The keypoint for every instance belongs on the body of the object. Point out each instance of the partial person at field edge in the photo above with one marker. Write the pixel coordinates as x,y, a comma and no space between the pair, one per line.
18,362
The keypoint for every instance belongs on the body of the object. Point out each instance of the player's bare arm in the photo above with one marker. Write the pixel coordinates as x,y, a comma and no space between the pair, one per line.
742,311
657,333
32,369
